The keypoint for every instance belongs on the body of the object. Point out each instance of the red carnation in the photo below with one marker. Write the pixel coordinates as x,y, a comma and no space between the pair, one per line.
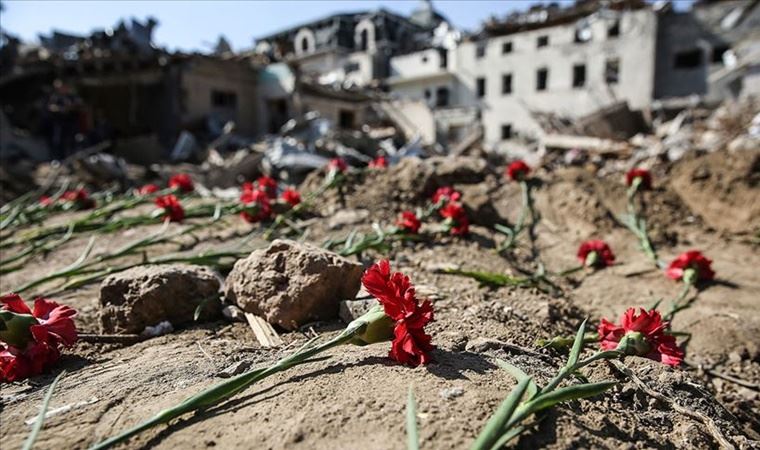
268,185
36,336
409,222
171,206
337,165
694,260
78,198
291,197
45,201
183,182
447,194
456,219
411,345
256,205
595,253
518,170
378,163
643,335
147,189
642,174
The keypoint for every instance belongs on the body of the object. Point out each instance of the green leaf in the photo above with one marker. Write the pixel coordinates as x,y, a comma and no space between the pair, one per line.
519,376
564,394
490,278
508,436
412,436
575,353
494,428
41,417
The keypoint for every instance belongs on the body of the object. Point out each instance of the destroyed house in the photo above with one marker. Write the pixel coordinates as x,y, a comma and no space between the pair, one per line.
354,47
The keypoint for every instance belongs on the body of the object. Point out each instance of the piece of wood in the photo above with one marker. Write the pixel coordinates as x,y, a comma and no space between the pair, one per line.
263,331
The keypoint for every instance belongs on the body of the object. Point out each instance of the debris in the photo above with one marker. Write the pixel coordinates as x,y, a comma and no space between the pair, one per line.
263,331
162,328
235,369
452,392
63,409
233,313
145,296
291,283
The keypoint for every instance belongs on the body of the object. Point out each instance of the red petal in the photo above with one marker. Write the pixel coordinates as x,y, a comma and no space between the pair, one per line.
14,303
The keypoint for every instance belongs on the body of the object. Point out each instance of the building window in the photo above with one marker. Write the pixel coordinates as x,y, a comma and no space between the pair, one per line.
506,84
579,75
542,79
442,96
612,71
614,30
688,59
223,99
304,44
542,41
444,58
427,94
582,34
346,118
717,53
481,86
364,40
506,131
480,50
424,59
506,48
351,67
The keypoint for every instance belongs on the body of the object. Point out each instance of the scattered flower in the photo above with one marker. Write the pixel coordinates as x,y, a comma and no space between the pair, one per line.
456,219
378,163
268,185
46,201
700,267
337,165
30,340
79,198
409,222
642,174
172,208
291,197
641,334
446,194
518,170
147,189
411,345
595,253
183,182
257,206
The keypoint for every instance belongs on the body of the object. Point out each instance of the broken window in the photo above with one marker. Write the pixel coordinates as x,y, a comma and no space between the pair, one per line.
346,118
481,87
688,59
717,53
427,94
542,79
304,44
506,131
506,84
614,29
583,34
351,67
444,54
424,59
579,75
506,48
480,50
364,39
612,71
542,41
223,99
442,96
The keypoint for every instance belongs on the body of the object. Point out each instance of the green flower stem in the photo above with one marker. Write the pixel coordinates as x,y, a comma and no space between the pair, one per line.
638,226
563,342
304,204
513,232
571,271
227,389
568,370
678,304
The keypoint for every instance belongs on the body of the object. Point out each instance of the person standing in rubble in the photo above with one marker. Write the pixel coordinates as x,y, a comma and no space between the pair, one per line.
62,109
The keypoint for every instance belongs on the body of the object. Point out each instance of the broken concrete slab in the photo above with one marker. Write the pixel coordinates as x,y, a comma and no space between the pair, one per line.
148,295
291,283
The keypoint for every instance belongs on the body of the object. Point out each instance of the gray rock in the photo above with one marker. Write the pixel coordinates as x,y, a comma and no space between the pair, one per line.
291,283
452,392
145,296
351,310
479,205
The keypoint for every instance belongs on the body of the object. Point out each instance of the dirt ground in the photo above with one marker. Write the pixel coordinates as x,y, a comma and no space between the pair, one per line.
356,398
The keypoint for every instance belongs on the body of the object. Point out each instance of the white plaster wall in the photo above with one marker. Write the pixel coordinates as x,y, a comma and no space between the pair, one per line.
416,64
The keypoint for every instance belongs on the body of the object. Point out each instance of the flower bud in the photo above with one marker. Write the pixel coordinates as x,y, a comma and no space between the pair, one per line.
377,327
634,343
591,259
15,328
690,276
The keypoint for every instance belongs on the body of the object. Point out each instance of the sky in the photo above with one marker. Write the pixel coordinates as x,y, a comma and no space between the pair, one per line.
197,24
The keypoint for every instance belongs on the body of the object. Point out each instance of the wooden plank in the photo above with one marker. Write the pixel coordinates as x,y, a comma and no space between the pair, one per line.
265,334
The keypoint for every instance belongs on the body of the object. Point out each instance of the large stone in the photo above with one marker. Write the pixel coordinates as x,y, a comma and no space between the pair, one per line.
147,295
291,283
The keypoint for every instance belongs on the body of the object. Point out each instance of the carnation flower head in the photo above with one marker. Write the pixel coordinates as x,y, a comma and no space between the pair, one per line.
337,165
456,218
291,197
147,189
31,338
595,253
517,170
642,174
79,198
268,185
641,334
256,205
700,265
182,182
409,222
411,345
45,201
378,163
446,194
172,207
